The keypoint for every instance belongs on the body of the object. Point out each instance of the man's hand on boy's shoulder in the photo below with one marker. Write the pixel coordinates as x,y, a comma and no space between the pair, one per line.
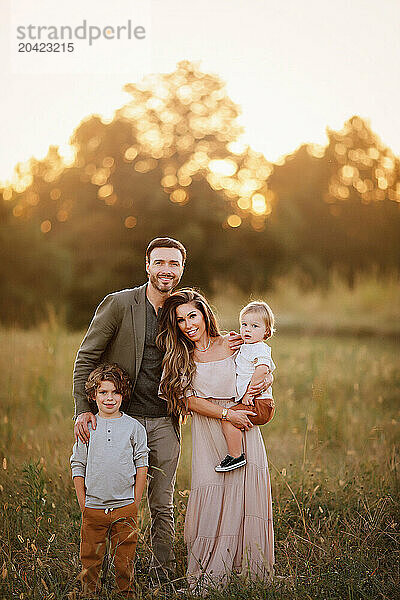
234,340
81,429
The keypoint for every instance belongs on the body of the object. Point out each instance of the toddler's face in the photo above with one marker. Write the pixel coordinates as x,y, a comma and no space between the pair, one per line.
252,328
108,400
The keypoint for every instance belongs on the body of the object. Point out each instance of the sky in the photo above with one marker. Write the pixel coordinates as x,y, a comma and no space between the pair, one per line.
293,67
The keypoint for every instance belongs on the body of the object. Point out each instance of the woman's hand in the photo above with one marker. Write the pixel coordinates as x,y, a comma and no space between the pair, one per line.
239,418
258,388
234,340
204,407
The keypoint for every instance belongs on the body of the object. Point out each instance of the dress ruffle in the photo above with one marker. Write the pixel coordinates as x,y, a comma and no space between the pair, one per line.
228,523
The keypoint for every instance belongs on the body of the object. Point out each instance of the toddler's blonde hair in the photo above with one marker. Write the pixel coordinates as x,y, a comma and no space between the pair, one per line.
262,310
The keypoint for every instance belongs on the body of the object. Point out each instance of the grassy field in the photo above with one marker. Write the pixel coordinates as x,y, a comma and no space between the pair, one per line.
371,307
333,452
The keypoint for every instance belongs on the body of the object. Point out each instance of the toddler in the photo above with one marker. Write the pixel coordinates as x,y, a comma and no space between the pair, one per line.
109,475
253,363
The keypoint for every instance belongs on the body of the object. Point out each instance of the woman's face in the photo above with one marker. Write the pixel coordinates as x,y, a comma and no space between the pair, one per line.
191,321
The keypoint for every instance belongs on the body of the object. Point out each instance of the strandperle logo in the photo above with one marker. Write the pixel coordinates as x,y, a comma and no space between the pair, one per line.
90,33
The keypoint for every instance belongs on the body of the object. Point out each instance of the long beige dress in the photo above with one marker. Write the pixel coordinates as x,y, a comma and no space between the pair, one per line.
228,523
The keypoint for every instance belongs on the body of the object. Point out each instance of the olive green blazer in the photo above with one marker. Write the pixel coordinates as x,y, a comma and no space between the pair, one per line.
116,334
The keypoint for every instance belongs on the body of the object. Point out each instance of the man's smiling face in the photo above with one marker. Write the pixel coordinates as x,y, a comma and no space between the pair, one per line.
164,268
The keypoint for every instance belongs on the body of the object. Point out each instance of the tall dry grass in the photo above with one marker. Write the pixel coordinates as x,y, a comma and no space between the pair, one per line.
333,453
370,307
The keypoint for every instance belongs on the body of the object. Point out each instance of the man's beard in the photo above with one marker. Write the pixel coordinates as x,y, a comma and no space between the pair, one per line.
164,288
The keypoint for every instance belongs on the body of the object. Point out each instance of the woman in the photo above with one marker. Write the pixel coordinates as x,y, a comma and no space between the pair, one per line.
228,524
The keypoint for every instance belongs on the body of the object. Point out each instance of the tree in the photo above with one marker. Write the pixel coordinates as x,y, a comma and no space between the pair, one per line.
338,207
162,166
169,163
34,277
364,196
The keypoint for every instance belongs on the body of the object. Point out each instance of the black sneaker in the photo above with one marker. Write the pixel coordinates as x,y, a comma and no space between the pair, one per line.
229,463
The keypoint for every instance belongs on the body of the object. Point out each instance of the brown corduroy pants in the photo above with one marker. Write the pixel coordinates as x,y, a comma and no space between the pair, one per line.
120,526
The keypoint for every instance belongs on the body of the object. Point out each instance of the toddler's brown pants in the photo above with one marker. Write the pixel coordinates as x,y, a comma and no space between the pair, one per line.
120,526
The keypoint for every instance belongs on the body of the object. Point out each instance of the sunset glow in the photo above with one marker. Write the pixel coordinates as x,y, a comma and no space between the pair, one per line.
292,81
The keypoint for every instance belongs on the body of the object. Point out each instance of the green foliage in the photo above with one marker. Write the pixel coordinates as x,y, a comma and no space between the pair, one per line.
327,224
34,275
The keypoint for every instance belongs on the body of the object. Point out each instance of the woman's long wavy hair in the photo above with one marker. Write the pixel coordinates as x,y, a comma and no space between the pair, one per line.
178,364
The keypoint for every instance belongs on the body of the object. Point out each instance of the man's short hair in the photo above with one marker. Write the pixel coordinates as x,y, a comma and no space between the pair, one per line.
165,242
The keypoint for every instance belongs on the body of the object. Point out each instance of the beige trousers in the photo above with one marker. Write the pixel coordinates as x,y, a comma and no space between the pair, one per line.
163,462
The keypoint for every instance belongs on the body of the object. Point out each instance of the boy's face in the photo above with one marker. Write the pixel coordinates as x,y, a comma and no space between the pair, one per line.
108,400
252,328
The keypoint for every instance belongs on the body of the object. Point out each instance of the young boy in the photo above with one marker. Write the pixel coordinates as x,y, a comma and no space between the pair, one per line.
253,363
109,475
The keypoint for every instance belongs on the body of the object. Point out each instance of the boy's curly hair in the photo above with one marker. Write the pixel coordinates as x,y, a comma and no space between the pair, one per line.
108,372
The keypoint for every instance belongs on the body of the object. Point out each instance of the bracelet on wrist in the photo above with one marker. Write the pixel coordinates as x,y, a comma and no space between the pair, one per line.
224,416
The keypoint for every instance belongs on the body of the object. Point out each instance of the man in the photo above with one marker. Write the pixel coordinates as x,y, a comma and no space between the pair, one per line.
123,331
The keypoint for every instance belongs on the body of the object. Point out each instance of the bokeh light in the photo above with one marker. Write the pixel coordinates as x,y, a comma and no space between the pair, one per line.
244,203
258,204
18,210
62,215
169,181
45,226
179,196
224,167
130,222
234,221
55,193
131,153
110,200
105,190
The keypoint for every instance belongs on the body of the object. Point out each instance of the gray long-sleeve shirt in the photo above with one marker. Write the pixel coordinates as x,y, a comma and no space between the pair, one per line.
116,448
